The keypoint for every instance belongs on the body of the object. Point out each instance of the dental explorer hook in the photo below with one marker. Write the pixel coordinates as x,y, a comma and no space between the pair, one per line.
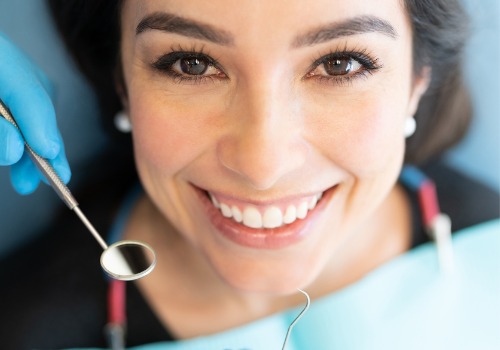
306,307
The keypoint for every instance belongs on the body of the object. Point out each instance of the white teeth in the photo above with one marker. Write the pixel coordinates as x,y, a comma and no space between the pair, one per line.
215,202
272,218
290,214
237,215
269,217
252,217
312,203
226,211
302,210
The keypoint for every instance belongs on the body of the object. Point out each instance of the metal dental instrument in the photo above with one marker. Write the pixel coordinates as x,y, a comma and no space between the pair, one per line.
124,260
299,316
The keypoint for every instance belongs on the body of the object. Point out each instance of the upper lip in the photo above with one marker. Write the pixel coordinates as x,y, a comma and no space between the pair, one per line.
270,200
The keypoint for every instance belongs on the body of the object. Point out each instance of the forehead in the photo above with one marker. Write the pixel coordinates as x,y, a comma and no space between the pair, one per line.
247,20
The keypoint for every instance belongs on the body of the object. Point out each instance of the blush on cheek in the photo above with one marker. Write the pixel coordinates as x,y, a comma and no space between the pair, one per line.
381,142
372,139
164,140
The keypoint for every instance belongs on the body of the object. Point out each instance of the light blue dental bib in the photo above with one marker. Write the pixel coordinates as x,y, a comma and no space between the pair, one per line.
405,304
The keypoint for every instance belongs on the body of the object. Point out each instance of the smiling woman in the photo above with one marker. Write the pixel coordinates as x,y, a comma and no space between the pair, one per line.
238,158
269,139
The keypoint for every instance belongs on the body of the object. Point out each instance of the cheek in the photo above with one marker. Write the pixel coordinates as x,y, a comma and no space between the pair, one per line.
363,136
166,136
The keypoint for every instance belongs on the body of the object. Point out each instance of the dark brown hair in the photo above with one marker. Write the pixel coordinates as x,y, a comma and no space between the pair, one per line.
440,30
90,29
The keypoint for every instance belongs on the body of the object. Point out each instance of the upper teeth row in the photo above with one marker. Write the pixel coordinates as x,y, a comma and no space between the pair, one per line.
270,216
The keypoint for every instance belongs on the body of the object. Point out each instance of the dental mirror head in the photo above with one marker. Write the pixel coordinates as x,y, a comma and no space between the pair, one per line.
128,260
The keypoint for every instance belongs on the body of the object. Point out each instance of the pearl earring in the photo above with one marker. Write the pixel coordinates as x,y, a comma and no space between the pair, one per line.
122,122
410,126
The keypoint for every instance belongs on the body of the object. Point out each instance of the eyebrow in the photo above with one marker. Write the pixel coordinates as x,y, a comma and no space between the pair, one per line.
352,26
171,23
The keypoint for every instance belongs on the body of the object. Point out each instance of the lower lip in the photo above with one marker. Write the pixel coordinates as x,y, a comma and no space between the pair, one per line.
276,238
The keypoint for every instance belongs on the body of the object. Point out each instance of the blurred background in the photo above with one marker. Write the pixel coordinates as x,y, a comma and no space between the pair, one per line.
27,23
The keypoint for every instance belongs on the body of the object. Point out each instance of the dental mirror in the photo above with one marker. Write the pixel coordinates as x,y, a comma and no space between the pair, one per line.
123,260
128,260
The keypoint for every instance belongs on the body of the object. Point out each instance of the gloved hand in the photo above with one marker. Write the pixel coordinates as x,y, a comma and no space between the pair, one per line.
25,91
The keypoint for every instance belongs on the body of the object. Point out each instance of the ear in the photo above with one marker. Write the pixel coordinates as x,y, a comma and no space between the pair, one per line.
420,85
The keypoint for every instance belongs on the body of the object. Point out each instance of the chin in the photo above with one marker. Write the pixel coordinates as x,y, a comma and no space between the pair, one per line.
276,272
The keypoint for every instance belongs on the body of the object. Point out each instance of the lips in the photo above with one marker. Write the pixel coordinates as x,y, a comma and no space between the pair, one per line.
273,225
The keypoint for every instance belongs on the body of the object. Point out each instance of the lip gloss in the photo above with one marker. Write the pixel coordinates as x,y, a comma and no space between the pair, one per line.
262,238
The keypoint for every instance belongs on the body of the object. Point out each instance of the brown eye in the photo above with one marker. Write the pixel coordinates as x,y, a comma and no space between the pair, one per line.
340,66
343,67
193,65
189,67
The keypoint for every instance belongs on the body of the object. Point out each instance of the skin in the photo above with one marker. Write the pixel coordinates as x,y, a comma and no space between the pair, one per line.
266,126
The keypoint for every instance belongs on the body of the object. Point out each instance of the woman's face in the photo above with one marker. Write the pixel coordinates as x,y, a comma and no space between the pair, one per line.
268,132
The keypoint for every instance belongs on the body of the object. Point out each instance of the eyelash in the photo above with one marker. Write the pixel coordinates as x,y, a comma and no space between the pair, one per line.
165,64
368,65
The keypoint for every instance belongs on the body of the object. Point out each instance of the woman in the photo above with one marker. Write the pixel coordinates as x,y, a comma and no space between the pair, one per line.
268,138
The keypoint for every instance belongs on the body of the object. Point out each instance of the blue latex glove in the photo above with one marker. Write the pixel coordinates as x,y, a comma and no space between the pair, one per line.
25,90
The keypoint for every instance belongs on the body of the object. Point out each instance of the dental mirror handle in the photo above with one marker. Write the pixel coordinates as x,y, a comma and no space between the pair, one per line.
43,165
55,181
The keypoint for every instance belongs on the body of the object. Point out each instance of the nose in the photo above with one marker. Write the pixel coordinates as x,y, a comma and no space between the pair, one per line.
265,142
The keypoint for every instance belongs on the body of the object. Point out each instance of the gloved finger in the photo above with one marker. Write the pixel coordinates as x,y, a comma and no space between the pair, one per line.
61,166
45,81
12,145
28,101
24,176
